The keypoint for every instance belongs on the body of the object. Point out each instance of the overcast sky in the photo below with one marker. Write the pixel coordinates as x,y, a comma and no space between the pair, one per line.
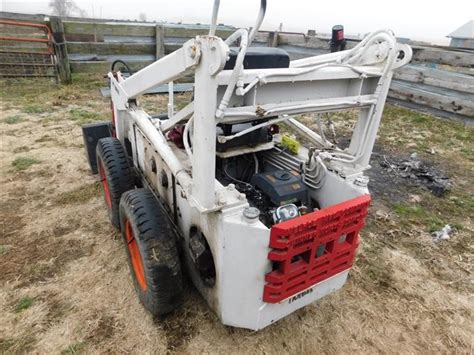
416,19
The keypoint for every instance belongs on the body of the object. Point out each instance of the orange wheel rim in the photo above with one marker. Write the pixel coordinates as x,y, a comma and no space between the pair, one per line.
105,184
135,256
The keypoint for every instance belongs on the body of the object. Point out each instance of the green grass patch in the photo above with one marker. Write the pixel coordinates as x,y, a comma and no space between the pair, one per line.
80,195
13,119
52,119
82,116
465,202
19,345
73,349
406,211
417,117
402,127
418,215
23,163
37,270
40,95
33,108
23,303
4,249
6,344
88,81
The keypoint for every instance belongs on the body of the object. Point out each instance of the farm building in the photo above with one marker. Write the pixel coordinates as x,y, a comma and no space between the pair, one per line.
463,37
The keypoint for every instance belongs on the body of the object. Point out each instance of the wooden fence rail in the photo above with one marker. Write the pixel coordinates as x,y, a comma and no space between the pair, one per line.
435,77
439,80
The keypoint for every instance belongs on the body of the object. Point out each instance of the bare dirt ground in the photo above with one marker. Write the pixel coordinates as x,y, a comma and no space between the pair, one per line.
65,286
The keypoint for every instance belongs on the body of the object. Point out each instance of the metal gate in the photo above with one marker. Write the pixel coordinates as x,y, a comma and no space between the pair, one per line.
26,50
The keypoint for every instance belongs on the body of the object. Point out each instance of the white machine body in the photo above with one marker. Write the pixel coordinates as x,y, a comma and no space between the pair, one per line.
262,271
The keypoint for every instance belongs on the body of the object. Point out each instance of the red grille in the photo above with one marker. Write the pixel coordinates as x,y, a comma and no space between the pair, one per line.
311,248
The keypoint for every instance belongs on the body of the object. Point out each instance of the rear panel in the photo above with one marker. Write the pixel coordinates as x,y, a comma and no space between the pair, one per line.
312,248
266,274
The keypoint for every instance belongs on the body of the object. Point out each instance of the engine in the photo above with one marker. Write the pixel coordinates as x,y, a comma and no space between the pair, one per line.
278,194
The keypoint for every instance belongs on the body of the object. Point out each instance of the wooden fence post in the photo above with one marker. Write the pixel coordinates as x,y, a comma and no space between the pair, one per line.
272,39
61,50
160,42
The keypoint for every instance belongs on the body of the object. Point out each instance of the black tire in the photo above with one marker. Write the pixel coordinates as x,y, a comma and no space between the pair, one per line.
148,236
115,175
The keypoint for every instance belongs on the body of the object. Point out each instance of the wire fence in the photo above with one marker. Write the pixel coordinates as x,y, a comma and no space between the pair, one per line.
26,50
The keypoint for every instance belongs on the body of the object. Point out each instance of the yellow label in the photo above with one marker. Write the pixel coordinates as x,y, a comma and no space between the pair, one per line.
291,144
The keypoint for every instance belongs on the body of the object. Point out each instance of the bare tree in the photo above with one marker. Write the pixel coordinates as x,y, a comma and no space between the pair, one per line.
63,8
142,17
81,12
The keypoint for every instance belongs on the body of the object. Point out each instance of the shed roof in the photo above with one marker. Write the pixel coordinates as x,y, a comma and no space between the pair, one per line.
465,31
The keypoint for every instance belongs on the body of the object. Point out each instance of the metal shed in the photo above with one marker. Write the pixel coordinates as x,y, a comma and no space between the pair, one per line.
463,37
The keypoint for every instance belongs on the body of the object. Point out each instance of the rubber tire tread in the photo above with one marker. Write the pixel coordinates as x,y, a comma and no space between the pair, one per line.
158,250
118,172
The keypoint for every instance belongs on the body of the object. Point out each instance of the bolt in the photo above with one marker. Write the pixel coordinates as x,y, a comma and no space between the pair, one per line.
221,200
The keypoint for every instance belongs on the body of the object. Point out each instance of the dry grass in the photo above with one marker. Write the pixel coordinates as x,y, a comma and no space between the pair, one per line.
79,195
65,285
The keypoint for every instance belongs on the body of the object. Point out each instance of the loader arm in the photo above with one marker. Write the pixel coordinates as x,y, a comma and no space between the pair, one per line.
171,67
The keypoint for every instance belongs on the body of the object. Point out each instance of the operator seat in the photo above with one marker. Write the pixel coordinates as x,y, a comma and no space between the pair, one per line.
260,58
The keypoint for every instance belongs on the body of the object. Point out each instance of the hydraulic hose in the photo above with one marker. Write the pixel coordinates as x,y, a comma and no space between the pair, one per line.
187,148
258,23
215,10
239,63
245,42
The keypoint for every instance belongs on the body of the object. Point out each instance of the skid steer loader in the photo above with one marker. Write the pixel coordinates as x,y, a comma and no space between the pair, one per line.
263,225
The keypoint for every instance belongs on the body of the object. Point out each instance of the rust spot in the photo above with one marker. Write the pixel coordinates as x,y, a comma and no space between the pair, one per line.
193,50
260,111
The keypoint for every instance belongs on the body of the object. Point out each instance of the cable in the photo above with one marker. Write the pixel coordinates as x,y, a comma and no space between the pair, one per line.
112,67
256,162
234,179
